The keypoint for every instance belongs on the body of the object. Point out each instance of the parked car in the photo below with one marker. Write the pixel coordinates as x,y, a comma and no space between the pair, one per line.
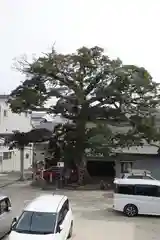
46,217
48,172
54,173
5,215
137,196
138,176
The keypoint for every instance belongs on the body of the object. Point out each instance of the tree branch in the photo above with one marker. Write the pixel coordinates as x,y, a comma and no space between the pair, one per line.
93,84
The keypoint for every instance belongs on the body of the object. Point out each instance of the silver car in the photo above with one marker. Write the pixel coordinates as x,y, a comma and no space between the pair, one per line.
5,215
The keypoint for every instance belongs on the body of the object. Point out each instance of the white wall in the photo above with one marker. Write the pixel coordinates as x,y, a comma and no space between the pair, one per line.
12,121
13,164
40,151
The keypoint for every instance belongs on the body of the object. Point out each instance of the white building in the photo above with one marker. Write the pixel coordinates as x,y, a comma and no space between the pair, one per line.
43,120
37,118
9,122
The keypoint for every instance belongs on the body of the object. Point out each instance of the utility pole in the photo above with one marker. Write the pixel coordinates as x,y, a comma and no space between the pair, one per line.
22,164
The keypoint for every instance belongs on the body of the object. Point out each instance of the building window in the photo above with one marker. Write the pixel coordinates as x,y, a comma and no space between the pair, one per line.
125,166
5,113
7,155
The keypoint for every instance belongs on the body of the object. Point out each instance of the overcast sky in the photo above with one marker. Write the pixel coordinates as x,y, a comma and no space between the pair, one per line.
129,29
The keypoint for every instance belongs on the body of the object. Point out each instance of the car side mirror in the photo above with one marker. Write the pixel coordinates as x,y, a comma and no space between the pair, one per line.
61,227
14,221
9,209
58,229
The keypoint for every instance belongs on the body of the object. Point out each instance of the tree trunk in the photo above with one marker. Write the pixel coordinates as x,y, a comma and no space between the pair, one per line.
79,151
83,174
34,165
21,164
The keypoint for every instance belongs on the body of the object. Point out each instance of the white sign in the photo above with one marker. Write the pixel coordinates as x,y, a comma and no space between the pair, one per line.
100,155
60,164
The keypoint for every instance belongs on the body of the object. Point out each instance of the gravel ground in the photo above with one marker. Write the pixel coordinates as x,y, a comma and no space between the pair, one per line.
94,218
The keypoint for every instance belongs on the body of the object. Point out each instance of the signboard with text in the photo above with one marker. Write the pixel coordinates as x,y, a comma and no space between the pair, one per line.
60,164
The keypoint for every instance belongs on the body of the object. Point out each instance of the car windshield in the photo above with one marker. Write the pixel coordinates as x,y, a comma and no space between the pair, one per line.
140,177
135,177
36,223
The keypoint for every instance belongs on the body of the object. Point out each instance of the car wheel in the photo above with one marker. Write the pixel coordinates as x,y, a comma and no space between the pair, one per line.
71,230
130,210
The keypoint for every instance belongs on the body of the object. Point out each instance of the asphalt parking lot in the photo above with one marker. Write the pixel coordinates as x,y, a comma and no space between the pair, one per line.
94,218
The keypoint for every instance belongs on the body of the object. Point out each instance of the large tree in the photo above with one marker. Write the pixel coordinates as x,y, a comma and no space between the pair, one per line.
90,88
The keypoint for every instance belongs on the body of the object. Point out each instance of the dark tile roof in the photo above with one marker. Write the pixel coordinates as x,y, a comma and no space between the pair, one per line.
47,125
4,96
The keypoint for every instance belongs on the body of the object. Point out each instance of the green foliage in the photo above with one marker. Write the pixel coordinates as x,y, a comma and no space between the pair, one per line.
62,143
22,139
99,139
91,87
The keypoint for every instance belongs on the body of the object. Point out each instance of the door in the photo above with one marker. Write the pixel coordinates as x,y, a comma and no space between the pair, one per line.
146,199
157,202
5,216
67,217
60,233
64,221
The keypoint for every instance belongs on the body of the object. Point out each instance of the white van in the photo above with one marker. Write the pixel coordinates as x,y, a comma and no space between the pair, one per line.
46,217
137,196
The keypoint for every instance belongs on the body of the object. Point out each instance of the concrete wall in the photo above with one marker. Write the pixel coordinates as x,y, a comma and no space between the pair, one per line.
148,162
13,164
39,156
151,163
40,151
